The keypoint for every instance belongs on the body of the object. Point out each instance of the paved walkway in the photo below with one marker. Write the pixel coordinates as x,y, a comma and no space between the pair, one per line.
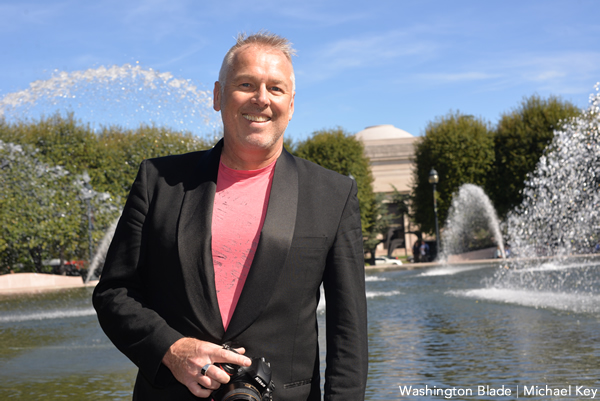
509,261
38,282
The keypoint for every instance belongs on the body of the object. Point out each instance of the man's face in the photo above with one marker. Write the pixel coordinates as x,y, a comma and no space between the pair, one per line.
257,101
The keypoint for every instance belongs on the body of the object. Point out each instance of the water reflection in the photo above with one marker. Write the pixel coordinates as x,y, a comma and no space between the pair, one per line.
445,330
51,347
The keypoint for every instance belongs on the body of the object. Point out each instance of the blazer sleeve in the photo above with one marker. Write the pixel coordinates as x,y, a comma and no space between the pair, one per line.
135,329
346,313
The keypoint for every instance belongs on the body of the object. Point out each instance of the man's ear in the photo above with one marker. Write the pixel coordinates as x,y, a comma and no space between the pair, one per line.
217,97
292,106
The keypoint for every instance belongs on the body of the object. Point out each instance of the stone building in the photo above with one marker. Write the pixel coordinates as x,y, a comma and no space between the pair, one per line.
390,150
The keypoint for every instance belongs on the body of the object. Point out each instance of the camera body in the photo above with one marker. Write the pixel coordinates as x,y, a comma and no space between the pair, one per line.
246,383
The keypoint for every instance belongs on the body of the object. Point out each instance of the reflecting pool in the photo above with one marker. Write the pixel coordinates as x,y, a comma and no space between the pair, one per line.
51,347
447,328
441,328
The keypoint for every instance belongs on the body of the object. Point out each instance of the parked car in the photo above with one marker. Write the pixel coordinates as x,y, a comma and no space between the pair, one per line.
384,260
70,267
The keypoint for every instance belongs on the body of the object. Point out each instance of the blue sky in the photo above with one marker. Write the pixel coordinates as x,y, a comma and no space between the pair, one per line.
359,63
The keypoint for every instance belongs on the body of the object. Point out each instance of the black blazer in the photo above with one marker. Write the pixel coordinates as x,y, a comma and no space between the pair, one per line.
158,284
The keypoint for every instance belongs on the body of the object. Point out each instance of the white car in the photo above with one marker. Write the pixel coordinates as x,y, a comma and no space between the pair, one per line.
384,260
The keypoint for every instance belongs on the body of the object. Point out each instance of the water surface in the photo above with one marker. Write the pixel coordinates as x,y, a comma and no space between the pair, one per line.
440,328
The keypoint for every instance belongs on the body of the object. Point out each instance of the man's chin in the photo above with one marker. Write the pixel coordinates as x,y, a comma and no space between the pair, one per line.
261,142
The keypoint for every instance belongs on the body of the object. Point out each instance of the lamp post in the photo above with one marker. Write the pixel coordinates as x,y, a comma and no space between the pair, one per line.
433,180
87,196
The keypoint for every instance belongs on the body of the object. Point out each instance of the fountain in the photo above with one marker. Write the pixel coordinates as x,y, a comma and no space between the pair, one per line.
127,96
118,95
471,213
553,234
560,213
100,254
556,230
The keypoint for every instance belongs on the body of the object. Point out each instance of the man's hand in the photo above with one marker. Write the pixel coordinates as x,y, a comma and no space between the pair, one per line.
186,357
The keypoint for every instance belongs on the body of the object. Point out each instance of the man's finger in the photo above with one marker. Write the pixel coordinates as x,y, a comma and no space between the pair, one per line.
199,390
204,369
237,358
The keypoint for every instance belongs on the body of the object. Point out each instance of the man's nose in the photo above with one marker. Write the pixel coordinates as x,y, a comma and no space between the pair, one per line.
261,97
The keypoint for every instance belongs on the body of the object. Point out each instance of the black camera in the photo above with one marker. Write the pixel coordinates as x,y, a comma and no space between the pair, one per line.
251,383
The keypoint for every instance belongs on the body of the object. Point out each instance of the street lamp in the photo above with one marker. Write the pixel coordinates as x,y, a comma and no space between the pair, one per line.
433,180
87,195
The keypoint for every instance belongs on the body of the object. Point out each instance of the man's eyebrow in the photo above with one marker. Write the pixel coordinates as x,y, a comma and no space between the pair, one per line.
278,82
242,77
249,77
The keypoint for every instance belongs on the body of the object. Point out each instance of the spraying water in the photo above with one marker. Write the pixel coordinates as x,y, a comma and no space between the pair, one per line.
471,212
118,95
554,233
100,254
560,212
556,230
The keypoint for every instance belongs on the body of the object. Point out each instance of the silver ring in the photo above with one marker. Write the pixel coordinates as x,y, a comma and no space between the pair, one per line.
205,369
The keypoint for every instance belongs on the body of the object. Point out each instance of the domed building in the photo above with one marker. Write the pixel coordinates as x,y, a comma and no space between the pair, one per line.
390,150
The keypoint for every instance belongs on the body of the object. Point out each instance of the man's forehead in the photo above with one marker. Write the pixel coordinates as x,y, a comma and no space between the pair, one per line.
236,70
260,48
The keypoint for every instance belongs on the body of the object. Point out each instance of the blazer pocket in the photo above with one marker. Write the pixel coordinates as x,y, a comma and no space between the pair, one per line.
300,390
297,384
309,242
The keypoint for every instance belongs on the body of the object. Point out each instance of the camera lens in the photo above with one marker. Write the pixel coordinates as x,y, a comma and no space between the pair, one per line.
241,392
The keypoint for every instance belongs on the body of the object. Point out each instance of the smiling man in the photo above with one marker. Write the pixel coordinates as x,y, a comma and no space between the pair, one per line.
255,95
231,245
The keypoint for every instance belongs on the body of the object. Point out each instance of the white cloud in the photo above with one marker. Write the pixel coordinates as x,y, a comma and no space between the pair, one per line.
367,51
187,53
457,77
557,72
566,72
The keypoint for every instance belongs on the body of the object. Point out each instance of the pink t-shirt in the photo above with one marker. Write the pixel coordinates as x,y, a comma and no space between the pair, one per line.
239,212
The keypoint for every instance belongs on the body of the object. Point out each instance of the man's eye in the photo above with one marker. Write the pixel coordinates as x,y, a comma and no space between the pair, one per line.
276,89
245,85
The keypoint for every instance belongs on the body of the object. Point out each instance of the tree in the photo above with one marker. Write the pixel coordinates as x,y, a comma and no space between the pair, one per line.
111,156
339,151
519,140
379,227
122,151
41,164
390,210
460,148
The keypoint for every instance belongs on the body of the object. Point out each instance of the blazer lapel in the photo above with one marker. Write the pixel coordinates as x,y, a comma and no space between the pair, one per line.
194,242
273,247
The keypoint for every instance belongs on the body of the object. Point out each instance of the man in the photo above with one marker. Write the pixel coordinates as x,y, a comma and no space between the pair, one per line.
416,250
232,245
424,249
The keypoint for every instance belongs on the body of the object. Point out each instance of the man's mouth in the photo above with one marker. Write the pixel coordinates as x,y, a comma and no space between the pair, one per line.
255,118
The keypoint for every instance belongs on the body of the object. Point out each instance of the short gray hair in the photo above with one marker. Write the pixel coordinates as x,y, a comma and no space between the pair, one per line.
263,39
